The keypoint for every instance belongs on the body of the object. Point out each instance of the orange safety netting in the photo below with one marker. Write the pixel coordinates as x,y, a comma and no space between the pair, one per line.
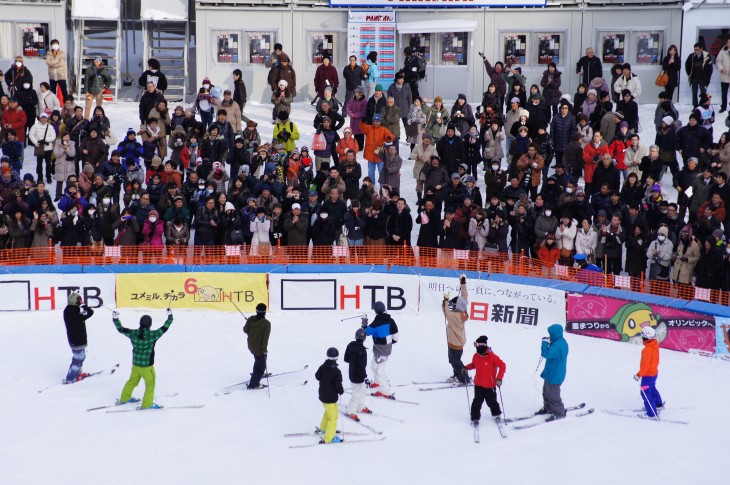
487,262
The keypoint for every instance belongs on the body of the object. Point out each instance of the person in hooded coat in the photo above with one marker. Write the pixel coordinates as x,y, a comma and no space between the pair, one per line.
554,350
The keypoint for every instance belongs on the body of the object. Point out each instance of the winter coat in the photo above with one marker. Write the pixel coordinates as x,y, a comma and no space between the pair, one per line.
462,124
260,230
390,174
47,103
723,62
555,354
496,78
636,247
428,234
451,151
432,125
704,74
691,138
15,78
700,192
172,233
375,137
330,382
565,237
545,225
257,330
56,61
562,129
374,106
157,78
353,77
384,332
289,141
17,120
357,356
355,224
633,84
420,158
590,67
326,76
356,111
551,87
490,369
391,119
96,80
649,366
282,103
414,127
493,146
586,242
435,176
97,149
403,97
710,269
479,232
64,164
42,134
682,270
74,317
526,163
401,225
287,74
373,75
590,152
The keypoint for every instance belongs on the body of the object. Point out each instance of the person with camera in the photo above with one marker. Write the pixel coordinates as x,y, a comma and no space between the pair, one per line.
114,174
130,148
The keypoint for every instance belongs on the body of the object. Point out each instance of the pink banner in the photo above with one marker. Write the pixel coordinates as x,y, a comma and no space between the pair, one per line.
616,319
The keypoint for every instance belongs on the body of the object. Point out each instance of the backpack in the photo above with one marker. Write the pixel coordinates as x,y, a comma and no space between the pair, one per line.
421,67
365,69
237,236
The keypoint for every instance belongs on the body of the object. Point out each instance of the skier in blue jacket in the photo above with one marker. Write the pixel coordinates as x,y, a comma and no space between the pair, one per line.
384,332
555,352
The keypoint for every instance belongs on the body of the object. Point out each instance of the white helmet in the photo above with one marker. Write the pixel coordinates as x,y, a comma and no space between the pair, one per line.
648,333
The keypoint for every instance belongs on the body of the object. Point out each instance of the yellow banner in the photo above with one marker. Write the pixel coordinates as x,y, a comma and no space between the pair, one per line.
192,291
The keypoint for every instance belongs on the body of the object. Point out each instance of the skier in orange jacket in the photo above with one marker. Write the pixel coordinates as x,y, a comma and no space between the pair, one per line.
649,371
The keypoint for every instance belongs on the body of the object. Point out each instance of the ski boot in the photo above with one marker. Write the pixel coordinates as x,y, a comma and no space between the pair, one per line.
130,400
373,385
387,396
540,412
81,377
354,417
366,411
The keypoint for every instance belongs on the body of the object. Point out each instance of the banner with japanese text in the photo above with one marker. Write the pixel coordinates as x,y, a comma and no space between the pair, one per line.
354,293
192,291
499,303
373,30
616,319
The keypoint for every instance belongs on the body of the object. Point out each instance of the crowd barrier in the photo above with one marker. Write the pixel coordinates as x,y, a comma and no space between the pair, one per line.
411,256
503,289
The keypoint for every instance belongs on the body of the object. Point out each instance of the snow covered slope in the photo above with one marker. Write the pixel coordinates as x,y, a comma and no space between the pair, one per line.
51,438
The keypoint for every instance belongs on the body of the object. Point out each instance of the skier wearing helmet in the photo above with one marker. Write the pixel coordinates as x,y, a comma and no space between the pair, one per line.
74,316
648,373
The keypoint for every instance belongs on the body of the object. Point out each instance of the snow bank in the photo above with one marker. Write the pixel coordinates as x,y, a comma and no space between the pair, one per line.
167,10
95,9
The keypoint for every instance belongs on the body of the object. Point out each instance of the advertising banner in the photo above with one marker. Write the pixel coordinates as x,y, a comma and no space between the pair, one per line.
722,334
33,292
373,30
616,319
353,292
192,291
499,303
437,3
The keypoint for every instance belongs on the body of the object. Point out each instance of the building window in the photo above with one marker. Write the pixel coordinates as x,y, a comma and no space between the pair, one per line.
322,45
649,46
226,45
34,39
514,48
421,44
454,48
260,45
549,47
613,47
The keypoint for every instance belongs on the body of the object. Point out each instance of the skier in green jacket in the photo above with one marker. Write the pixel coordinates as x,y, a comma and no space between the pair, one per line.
143,357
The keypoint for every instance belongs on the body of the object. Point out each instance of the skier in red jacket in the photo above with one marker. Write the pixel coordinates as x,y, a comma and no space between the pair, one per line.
490,371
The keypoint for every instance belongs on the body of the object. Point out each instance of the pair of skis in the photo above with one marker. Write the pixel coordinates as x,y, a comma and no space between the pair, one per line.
319,432
240,385
110,371
497,421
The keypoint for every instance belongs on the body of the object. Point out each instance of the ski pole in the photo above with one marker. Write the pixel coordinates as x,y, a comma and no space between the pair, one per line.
266,372
466,387
501,401
352,318
656,414
339,406
239,310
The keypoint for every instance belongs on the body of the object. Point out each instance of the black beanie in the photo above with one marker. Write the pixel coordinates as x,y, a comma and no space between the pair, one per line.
379,307
145,321
261,309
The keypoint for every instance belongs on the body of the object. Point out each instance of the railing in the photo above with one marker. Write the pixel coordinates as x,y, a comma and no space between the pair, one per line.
391,255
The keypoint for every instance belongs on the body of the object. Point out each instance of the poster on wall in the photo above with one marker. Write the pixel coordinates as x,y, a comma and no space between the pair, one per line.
259,47
548,48
34,39
498,303
369,31
355,293
322,46
421,44
613,46
649,47
712,40
616,319
514,48
454,47
722,334
226,46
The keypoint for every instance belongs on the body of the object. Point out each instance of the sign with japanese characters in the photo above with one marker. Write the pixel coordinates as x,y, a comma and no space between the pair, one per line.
437,3
351,292
496,302
722,335
373,30
192,291
37,292
616,319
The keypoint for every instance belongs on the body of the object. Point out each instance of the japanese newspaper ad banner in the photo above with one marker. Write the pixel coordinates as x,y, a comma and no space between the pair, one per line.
192,291
352,292
722,334
437,3
495,302
616,319
33,292
373,30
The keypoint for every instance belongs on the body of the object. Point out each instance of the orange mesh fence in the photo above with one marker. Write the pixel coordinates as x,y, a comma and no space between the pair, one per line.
487,262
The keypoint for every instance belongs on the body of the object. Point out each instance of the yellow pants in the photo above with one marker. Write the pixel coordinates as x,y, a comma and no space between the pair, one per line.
90,98
146,373
329,421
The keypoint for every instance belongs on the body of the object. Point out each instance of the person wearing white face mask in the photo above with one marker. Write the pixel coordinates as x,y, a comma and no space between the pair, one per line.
28,100
17,75
56,61
109,214
659,254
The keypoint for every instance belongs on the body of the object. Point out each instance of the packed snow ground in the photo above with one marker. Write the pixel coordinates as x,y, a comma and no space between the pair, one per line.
50,438
124,115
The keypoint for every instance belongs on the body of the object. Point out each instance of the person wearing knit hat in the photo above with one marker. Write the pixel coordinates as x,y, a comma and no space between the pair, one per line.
490,372
74,317
258,331
438,99
143,357
330,390
668,121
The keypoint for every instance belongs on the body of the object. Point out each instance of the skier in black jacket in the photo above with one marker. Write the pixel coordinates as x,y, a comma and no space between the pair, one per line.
330,390
74,316
357,356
